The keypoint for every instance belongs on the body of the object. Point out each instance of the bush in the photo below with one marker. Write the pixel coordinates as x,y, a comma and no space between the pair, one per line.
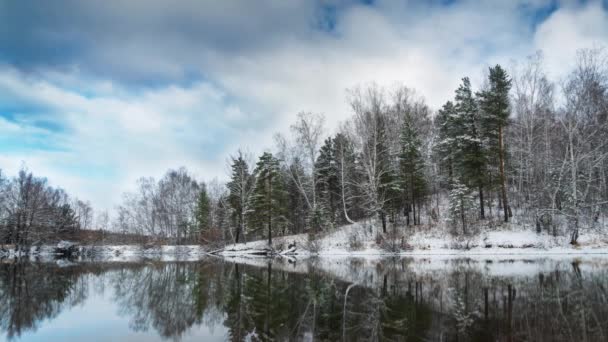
354,242
392,242
313,245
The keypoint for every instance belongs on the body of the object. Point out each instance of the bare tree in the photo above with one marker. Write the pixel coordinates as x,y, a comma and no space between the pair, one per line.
531,135
84,214
369,136
309,133
32,211
583,120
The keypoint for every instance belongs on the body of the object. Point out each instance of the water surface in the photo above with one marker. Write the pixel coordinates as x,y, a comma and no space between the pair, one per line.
349,299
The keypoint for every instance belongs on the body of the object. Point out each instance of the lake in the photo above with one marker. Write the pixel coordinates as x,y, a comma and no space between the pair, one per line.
331,299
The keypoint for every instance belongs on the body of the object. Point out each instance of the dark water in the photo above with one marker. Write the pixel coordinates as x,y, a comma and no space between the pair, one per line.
324,300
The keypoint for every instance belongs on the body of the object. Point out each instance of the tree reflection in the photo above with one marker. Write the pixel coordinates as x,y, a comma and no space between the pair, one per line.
169,297
393,301
31,292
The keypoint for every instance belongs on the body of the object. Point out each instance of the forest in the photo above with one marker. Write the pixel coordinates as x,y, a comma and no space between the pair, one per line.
519,149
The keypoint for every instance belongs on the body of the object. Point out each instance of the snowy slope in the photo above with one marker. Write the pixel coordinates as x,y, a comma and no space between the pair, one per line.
360,239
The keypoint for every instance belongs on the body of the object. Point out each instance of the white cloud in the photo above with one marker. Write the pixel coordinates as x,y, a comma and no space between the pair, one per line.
256,89
123,137
569,29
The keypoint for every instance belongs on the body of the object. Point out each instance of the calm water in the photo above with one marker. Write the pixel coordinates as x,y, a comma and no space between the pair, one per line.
325,300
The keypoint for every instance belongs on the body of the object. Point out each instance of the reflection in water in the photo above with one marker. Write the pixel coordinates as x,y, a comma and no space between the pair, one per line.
31,292
391,300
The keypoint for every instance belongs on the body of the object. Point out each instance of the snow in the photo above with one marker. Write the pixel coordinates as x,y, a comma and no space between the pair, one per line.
115,252
359,239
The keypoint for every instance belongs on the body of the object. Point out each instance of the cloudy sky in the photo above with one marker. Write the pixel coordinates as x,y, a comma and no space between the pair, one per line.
95,94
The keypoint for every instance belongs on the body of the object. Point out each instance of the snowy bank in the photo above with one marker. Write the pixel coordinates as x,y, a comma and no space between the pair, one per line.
363,239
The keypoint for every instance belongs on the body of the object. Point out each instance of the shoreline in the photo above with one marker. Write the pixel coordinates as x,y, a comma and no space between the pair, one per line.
110,252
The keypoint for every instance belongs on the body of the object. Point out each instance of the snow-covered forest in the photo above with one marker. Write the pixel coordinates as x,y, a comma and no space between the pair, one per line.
519,149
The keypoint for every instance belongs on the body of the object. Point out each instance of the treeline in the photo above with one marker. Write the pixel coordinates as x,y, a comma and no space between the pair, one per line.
32,212
518,148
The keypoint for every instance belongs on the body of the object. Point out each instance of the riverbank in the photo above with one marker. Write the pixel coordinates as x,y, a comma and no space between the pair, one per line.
363,239
356,240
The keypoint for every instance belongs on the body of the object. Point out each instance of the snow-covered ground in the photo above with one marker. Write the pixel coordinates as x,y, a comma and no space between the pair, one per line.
116,252
361,239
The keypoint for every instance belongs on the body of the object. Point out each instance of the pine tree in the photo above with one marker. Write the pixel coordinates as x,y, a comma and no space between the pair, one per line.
460,204
327,184
445,147
494,103
471,157
297,208
240,187
268,197
411,165
203,209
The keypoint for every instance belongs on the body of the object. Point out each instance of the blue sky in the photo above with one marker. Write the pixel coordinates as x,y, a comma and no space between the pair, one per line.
94,95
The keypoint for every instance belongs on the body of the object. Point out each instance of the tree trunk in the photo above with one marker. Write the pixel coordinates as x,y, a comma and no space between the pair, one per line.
342,188
238,233
414,211
503,186
269,210
462,217
482,210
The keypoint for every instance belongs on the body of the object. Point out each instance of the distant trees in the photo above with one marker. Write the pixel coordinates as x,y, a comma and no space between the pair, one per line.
84,213
166,208
32,212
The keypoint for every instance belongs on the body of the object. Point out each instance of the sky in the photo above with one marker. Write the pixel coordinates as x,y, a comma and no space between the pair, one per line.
96,94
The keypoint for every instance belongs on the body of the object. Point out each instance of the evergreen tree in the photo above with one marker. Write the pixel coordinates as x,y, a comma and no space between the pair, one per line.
297,209
411,165
471,157
494,103
268,197
240,187
460,204
445,148
203,209
327,182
